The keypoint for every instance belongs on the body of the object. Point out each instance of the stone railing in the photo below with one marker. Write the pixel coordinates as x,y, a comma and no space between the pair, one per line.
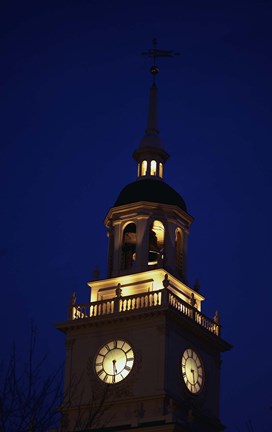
193,313
137,302
140,301
93,309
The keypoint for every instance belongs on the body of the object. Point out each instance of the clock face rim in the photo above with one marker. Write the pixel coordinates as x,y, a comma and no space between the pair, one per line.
192,365
114,361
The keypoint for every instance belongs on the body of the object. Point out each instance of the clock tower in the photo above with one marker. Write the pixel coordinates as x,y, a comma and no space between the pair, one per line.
141,354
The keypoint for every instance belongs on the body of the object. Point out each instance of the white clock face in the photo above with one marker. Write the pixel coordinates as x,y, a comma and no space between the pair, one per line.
114,361
192,371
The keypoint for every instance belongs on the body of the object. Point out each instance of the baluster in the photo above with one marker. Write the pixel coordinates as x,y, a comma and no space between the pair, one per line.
116,305
166,297
142,301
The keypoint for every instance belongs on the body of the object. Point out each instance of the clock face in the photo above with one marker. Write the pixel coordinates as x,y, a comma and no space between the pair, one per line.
114,361
192,371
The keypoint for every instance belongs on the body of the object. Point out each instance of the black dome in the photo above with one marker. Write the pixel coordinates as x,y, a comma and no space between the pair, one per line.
150,190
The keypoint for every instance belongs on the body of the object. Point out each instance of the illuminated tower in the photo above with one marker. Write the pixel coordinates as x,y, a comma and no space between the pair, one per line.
141,354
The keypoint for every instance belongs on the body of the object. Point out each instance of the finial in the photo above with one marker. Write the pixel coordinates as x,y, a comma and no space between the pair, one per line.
118,290
216,317
192,300
73,298
156,53
196,285
165,281
96,273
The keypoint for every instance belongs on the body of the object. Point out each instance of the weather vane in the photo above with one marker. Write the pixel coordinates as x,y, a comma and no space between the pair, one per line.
156,53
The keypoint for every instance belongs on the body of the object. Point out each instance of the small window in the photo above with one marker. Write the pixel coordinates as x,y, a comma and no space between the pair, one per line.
129,246
179,252
156,243
160,170
138,173
144,168
153,167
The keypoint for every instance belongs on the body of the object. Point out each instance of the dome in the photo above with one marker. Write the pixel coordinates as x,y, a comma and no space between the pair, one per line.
150,190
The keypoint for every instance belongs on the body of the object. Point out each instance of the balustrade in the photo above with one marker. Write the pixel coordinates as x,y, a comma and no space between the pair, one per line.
141,301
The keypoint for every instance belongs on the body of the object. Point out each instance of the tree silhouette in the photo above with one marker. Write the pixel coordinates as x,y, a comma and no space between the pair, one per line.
29,398
33,400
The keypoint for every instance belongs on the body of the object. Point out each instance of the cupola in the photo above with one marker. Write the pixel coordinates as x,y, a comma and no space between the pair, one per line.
148,225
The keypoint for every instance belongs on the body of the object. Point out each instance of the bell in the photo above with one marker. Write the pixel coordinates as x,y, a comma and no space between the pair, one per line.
153,257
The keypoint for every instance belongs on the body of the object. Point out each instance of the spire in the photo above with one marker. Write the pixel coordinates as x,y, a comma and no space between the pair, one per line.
150,154
151,138
152,122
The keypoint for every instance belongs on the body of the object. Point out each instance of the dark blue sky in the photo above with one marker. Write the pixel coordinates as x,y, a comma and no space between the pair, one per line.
73,107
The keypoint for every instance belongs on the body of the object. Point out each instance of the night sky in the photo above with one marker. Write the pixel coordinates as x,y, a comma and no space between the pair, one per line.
73,108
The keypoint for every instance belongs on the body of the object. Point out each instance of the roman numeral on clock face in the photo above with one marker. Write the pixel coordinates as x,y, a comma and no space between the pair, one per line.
192,370
114,361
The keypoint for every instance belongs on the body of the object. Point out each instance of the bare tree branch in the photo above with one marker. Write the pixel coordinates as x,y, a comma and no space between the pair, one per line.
28,401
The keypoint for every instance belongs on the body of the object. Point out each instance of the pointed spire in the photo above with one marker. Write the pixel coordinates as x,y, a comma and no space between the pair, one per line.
152,122
150,155
151,138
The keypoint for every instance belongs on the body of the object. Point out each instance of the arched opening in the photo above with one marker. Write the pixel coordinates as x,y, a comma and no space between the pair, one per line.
179,252
129,246
153,168
160,170
144,168
156,243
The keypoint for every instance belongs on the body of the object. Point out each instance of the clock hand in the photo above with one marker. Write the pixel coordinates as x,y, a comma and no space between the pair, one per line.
193,372
114,370
114,366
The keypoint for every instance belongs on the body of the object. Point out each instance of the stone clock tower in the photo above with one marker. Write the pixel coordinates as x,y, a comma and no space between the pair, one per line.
140,354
